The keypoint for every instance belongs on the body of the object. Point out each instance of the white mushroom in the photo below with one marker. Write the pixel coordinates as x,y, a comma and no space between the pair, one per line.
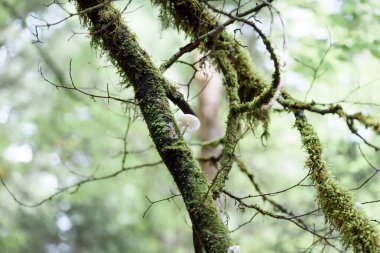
233,249
358,205
188,123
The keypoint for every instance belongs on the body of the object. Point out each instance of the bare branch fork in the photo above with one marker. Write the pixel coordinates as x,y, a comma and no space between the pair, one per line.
75,187
151,203
82,91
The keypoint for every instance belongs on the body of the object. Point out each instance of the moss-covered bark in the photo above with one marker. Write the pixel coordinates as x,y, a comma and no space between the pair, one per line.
110,34
243,83
337,204
192,17
335,201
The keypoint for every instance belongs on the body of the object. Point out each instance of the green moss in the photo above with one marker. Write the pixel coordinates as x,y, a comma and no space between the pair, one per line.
228,157
336,202
367,121
193,18
242,82
111,35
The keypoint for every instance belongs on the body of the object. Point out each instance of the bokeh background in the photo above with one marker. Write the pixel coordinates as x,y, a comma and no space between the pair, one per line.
51,138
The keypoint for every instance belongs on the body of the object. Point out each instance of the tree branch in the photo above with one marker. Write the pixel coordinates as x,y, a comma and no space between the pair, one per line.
335,201
109,33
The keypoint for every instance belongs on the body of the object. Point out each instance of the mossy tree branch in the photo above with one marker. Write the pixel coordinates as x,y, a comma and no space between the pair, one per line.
367,121
109,33
243,83
193,17
335,201
269,93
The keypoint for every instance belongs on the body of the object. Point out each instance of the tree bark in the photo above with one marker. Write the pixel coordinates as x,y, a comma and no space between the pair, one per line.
110,34
192,16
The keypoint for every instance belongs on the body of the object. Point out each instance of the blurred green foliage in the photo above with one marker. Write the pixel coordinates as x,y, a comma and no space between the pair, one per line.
51,138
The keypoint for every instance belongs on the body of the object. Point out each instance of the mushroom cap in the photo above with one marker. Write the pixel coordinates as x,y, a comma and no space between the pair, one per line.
188,122
233,249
